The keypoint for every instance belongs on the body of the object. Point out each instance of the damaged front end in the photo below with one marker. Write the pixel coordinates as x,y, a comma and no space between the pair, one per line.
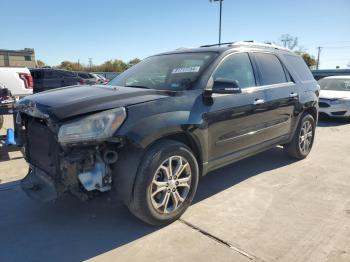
75,156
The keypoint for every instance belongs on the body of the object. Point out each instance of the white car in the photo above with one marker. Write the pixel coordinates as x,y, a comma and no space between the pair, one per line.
335,96
17,80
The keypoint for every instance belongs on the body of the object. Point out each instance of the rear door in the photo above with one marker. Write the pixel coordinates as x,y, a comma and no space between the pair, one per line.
281,94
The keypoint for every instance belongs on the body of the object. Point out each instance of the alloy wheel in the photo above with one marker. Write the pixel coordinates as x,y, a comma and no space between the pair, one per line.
170,185
305,137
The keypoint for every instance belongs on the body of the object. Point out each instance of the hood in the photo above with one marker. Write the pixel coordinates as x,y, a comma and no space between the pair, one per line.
72,101
333,94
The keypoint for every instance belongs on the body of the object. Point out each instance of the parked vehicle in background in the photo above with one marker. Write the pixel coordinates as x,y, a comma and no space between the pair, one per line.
166,121
321,73
17,80
88,78
49,78
108,75
99,79
335,96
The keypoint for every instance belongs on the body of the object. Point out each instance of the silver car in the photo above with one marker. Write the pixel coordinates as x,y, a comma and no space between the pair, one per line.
335,96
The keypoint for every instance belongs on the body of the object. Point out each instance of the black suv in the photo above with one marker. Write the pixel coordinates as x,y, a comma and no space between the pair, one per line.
166,121
47,79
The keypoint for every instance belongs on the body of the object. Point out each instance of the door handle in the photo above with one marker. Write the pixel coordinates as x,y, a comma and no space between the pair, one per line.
292,95
258,101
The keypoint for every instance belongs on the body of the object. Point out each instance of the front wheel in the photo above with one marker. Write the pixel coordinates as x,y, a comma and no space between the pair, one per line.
166,183
303,139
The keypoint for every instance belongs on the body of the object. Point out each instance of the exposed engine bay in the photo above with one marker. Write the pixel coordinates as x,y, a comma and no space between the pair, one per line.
56,168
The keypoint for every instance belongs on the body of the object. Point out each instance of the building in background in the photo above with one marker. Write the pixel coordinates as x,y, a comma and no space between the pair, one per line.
17,58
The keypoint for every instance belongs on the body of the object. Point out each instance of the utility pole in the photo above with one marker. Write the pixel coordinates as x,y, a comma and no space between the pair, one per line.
318,57
90,63
220,15
78,64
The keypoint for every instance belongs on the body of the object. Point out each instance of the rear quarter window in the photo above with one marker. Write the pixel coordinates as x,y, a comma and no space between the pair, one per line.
299,67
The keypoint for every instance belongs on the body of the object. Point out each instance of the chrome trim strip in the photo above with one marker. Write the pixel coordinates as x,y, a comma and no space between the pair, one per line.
249,90
250,133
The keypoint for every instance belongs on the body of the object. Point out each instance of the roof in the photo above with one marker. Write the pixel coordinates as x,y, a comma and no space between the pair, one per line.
25,51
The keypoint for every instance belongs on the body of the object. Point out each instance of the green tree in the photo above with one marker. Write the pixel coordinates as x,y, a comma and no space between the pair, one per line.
72,66
133,62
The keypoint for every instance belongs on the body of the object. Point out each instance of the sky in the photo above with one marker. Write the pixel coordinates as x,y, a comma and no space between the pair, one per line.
115,29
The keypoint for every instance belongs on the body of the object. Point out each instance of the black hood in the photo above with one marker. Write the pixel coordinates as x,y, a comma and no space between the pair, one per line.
72,101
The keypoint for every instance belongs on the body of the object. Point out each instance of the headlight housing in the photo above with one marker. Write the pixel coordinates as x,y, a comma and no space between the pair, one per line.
95,127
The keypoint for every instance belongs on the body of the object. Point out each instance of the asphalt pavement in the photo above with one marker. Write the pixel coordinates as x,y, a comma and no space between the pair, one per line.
264,208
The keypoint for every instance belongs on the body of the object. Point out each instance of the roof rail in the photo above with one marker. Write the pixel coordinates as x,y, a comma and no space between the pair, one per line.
250,43
230,43
257,44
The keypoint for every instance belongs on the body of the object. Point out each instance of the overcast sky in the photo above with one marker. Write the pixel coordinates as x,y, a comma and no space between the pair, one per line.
110,29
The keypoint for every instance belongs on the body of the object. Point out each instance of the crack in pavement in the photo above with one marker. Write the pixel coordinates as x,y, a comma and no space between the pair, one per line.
223,242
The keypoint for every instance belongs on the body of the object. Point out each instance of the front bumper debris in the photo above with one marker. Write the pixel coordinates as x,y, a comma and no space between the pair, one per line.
39,186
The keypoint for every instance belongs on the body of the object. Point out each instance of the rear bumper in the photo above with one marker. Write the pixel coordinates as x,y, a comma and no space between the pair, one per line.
39,186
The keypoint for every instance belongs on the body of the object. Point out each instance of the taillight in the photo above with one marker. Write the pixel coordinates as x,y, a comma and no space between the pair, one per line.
82,81
27,79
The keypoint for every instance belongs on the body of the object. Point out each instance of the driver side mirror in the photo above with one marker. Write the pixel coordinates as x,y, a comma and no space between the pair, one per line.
225,86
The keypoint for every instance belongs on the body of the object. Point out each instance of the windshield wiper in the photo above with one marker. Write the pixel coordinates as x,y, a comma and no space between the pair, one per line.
144,87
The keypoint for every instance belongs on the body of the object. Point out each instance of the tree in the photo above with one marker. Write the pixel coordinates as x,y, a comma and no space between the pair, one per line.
289,41
115,65
133,62
40,63
309,59
71,66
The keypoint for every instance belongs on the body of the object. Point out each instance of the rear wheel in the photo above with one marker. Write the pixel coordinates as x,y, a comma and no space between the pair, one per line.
303,139
165,184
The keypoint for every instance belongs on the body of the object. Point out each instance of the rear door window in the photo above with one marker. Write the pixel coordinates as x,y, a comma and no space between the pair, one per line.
271,69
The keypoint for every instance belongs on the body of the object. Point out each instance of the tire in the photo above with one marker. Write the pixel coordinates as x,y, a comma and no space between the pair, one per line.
1,121
298,147
146,203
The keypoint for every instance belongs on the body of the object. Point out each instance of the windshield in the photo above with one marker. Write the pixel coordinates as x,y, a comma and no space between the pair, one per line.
335,84
166,72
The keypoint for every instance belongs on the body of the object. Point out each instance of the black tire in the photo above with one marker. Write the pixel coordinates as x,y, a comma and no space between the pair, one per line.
294,149
141,204
1,121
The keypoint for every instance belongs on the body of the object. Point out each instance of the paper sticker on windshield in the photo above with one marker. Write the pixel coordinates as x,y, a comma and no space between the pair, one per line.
190,69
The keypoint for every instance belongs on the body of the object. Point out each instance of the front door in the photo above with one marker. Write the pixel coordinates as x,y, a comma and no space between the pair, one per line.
235,121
